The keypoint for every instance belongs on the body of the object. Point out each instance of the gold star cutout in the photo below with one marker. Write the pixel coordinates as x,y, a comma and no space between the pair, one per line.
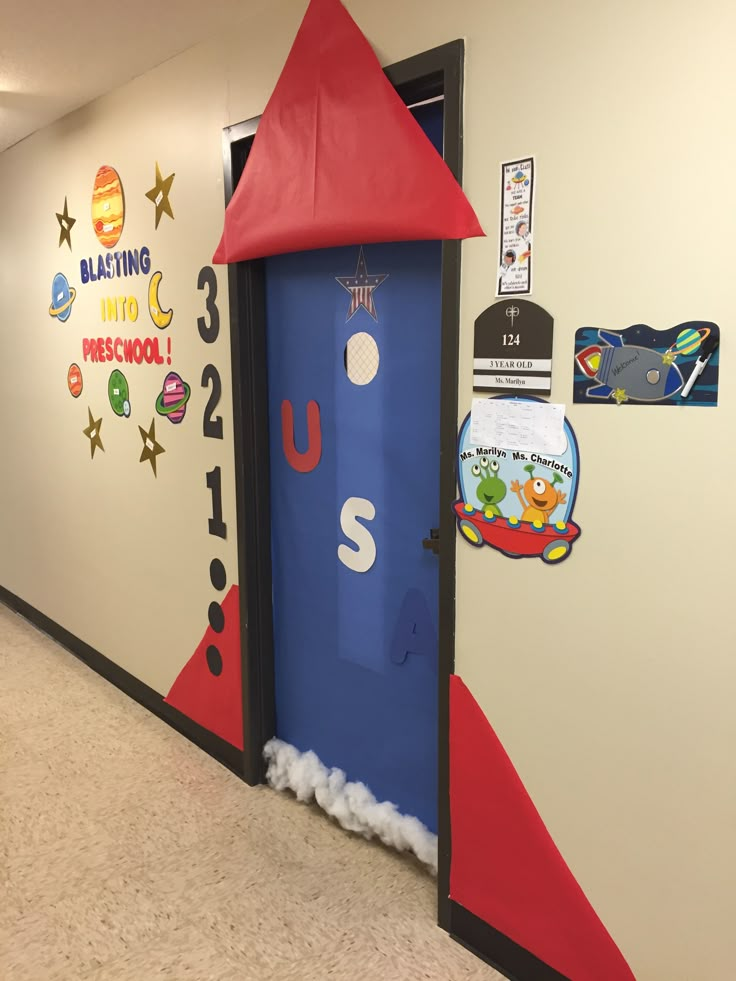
65,224
151,448
620,395
668,357
92,432
159,194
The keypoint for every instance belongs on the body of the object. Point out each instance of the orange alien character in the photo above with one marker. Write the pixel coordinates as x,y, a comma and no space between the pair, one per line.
538,497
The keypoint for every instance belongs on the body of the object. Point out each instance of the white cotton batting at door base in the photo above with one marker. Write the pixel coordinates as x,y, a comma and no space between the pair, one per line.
351,804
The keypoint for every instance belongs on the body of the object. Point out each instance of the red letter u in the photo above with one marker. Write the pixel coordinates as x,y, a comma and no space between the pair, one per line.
303,462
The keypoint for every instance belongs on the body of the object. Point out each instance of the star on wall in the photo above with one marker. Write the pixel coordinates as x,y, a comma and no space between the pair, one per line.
668,357
92,432
361,287
151,448
620,395
159,195
66,223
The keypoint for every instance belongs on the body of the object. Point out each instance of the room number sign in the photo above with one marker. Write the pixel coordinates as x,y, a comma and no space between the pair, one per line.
513,348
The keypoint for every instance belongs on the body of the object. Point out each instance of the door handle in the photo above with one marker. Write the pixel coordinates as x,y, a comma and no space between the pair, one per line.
433,542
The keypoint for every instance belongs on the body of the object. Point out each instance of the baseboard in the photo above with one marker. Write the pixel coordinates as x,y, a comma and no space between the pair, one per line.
222,751
514,962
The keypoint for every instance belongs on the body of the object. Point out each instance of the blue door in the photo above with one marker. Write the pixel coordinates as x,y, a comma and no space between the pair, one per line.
354,386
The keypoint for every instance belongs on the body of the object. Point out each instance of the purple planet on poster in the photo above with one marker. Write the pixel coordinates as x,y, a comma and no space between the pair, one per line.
173,398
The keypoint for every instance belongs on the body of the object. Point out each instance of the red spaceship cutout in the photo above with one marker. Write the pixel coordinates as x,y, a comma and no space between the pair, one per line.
506,868
208,688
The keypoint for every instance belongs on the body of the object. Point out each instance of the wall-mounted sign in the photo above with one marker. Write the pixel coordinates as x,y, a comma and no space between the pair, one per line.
642,366
514,277
513,348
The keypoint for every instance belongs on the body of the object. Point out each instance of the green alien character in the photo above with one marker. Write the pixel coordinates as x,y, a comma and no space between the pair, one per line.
491,489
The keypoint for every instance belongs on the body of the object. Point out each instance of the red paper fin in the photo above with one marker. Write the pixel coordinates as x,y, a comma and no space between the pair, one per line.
505,867
208,688
338,159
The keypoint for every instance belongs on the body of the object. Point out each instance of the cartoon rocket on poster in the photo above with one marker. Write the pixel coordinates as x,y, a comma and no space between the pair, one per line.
628,372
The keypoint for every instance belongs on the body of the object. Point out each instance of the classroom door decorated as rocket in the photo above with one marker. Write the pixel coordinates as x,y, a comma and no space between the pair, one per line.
354,383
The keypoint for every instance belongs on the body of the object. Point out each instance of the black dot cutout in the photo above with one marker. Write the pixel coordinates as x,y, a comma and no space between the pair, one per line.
216,617
214,660
218,577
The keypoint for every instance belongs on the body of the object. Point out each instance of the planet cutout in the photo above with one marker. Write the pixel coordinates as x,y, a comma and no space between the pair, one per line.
173,398
62,297
74,380
119,393
688,341
108,206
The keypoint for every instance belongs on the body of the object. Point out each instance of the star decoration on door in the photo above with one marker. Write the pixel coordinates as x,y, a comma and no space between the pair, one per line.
159,195
151,447
92,432
66,223
361,287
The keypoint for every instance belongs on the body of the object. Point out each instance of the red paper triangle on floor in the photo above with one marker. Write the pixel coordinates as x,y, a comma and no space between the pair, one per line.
505,867
208,688
338,159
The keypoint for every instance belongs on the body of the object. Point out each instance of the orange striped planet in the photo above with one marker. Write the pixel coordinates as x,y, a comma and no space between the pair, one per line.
108,206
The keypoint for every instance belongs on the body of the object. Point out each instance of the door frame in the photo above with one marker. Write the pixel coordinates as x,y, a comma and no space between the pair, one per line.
424,76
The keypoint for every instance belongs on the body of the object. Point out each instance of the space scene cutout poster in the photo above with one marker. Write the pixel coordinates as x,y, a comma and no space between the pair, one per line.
118,336
642,366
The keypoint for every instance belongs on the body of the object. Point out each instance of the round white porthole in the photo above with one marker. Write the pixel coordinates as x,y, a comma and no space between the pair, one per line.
361,358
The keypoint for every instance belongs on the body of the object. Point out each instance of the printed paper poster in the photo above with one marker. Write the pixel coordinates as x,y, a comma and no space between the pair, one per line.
514,277
518,425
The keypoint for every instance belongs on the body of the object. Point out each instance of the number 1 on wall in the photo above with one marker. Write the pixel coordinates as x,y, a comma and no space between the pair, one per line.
216,525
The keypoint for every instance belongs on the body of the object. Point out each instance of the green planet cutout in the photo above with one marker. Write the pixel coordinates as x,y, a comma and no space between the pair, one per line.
118,393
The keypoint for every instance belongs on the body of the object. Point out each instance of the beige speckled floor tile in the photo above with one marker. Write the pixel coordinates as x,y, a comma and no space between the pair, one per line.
68,866
181,955
127,854
35,947
98,923
36,811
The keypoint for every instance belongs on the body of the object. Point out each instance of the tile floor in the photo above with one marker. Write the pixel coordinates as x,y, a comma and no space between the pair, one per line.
127,854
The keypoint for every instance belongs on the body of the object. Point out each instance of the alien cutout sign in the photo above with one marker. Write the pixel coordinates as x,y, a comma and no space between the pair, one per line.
518,502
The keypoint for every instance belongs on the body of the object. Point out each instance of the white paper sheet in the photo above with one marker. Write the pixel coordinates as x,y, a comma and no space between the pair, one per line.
518,425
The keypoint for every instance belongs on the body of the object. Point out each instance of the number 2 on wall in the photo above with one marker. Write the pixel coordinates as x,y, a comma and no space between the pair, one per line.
211,424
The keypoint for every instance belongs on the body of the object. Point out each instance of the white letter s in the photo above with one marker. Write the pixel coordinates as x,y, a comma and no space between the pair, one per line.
362,558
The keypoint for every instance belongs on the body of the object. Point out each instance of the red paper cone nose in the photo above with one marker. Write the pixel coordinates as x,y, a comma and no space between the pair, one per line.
338,159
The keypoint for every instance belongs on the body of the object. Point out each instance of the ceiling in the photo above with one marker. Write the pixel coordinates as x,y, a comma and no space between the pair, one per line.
57,57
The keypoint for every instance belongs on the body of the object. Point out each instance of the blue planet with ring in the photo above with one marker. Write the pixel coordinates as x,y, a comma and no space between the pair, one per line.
689,340
62,297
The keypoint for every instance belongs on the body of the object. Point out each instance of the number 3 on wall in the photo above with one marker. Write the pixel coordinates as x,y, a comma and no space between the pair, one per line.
209,332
